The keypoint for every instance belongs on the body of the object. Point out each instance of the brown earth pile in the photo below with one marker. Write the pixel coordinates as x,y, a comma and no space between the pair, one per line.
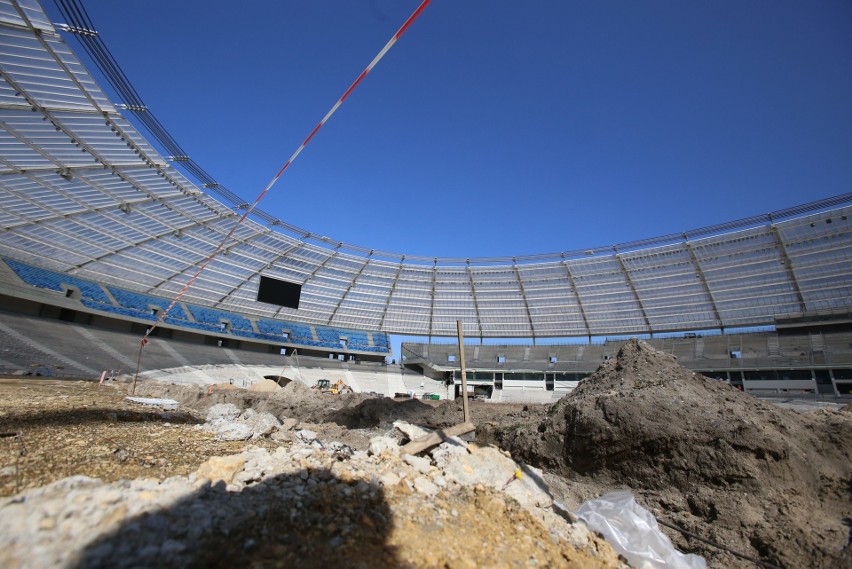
772,483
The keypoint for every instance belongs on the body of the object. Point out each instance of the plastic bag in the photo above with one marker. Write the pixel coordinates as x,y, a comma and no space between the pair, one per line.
633,532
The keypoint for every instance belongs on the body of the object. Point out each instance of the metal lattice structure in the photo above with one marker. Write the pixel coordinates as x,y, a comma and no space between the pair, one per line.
83,192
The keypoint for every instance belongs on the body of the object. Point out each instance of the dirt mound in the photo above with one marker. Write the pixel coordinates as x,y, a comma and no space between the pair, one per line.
771,483
264,386
374,412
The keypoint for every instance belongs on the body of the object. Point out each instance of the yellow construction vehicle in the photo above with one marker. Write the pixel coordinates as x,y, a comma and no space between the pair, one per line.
325,386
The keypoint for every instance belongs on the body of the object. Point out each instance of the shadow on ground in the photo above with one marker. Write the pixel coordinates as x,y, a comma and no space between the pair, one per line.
308,519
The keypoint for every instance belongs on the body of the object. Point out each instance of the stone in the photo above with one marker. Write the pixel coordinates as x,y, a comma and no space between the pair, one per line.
381,444
425,486
444,452
411,431
232,431
389,479
419,463
222,468
223,412
262,424
306,436
490,467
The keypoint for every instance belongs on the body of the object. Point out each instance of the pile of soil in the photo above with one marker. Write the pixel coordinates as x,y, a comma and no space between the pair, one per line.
768,482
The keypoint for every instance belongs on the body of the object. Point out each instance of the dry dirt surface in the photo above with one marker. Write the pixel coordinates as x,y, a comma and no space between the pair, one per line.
137,495
771,483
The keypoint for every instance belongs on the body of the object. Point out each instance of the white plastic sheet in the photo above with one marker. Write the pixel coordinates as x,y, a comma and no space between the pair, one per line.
634,533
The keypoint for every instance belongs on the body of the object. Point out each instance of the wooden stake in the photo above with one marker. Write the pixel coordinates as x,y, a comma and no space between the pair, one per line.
463,372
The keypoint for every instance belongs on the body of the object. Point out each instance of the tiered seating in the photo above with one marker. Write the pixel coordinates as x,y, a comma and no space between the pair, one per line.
141,303
381,341
211,319
328,337
274,330
43,278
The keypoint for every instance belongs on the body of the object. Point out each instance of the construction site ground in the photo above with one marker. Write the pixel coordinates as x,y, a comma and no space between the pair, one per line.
770,483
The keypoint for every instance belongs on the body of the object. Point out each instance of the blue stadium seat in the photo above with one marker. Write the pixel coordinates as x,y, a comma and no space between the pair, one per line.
51,280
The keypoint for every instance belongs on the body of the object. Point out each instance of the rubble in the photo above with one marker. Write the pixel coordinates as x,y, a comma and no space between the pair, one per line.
349,506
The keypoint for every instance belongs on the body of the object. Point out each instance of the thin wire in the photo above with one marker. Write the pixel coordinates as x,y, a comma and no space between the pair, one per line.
161,317
719,546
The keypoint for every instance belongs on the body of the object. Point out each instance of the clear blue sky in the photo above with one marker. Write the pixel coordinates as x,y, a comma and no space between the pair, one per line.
502,127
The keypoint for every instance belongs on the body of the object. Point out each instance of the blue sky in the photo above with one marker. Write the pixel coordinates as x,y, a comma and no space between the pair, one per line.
500,128
497,127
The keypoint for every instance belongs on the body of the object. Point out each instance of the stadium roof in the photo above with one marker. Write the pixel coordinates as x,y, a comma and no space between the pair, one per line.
84,192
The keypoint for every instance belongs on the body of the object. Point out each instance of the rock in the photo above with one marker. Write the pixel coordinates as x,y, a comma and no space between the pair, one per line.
221,468
306,436
389,479
490,467
223,412
233,431
289,424
280,435
444,452
425,486
411,431
381,444
339,450
419,463
261,424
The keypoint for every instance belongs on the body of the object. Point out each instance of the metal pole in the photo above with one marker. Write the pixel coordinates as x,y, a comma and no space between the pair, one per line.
463,372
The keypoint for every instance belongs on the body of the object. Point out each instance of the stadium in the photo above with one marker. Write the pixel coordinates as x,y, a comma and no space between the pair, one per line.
103,230
122,258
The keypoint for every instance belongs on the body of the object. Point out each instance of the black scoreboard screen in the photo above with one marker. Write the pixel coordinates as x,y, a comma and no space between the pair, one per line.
282,293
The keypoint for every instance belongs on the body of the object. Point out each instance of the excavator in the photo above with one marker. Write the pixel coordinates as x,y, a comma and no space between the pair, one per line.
325,386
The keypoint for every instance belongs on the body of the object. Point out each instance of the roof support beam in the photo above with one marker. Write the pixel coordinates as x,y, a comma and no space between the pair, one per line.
390,294
700,274
475,301
788,266
349,288
432,305
524,297
633,289
573,285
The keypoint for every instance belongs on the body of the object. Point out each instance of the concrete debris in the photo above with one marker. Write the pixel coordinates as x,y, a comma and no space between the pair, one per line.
229,424
444,452
168,404
413,432
223,412
306,436
71,520
383,444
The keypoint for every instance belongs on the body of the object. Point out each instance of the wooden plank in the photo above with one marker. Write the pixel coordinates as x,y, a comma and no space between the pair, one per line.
436,438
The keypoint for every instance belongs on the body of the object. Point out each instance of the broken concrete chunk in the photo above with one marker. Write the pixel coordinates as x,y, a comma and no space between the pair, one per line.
233,431
411,431
444,452
223,412
221,468
490,467
425,486
383,444
306,436
261,424
419,463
